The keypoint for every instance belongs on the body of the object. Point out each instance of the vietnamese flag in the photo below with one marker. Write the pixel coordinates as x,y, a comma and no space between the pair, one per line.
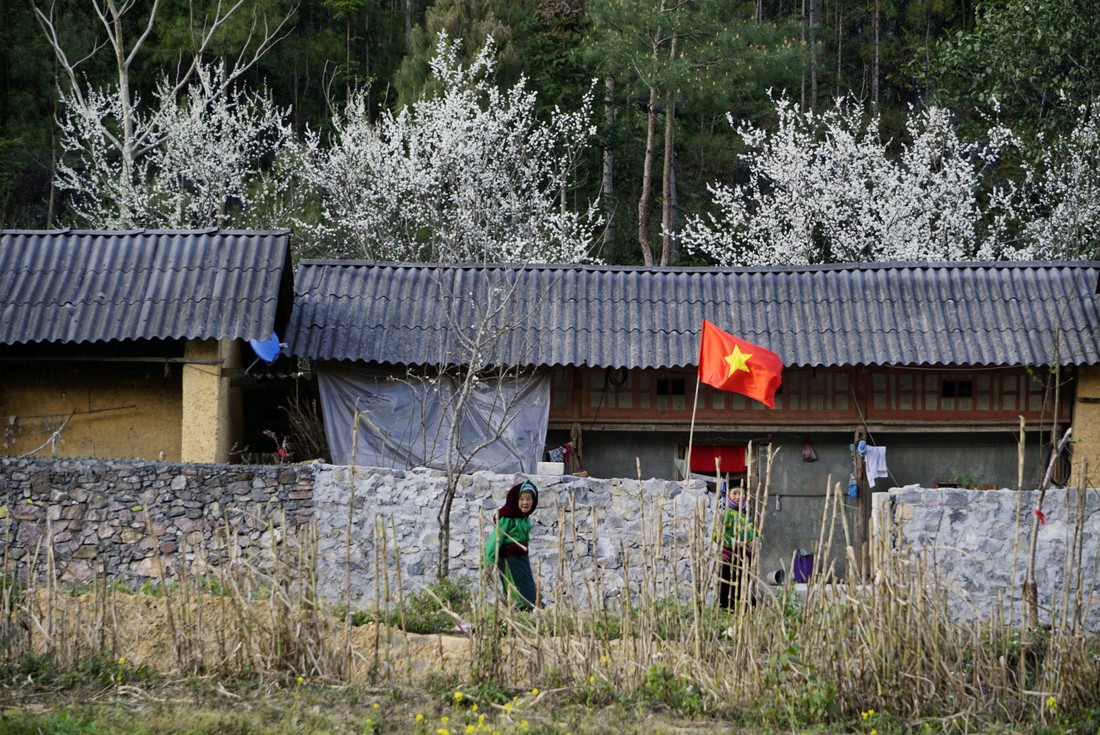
729,363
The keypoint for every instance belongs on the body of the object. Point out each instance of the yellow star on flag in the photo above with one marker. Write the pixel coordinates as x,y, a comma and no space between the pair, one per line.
738,360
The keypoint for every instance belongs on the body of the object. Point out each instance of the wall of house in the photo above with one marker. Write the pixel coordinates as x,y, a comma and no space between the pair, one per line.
210,407
975,544
1086,427
794,522
106,409
135,521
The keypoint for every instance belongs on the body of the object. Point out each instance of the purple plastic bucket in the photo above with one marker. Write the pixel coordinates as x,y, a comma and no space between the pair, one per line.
803,566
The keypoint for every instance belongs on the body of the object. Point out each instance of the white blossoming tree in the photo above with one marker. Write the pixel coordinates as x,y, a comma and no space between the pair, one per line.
1057,206
827,188
470,174
201,162
189,157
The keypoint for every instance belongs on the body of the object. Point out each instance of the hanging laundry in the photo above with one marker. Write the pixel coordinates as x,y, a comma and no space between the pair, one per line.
561,454
874,459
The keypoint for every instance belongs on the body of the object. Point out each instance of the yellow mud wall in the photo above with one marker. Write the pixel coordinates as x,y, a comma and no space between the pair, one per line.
97,409
1086,429
211,407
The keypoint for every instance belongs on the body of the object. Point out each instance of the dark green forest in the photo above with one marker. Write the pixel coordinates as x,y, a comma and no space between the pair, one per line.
676,70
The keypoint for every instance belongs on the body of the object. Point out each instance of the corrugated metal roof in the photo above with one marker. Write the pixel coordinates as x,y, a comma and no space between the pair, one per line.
901,314
70,286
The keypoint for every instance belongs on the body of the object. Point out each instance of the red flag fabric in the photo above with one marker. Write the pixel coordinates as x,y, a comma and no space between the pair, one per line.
730,363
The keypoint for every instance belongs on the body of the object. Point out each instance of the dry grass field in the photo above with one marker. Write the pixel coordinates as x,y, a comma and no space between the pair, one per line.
241,650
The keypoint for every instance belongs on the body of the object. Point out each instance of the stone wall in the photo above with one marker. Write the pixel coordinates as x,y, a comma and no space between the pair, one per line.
591,538
133,520
975,542
588,535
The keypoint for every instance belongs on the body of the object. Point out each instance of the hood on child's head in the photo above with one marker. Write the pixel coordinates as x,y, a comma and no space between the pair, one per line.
510,509
741,503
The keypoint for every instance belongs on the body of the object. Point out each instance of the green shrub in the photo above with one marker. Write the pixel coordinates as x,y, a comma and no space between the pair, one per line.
678,694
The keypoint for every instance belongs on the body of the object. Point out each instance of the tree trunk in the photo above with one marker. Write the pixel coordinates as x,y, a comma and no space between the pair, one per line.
1031,592
839,48
52,203
126,171
347,55
802,38
815,21
876,22
607,183
668,181
367,60
445,526
647,176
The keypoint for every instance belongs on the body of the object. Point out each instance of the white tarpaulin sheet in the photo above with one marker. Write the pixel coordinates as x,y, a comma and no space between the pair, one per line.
405,422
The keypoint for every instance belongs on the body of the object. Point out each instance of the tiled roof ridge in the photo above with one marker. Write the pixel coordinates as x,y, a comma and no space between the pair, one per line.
782,268
144,231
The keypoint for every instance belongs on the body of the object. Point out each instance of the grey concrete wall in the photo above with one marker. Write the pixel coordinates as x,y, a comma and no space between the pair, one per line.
975,544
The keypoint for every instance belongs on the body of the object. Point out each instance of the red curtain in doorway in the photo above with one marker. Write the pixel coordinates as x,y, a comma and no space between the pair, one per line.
703,456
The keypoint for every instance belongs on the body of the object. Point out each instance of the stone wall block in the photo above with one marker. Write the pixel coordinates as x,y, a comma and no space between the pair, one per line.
40,485
239,488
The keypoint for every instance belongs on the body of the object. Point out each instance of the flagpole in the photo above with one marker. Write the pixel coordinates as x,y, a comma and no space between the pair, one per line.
691,432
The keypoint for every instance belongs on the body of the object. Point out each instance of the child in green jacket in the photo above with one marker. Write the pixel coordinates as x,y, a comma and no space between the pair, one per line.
506,548
738,538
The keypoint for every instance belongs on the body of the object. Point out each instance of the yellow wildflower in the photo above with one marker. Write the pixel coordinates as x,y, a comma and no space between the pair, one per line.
1051,702
419,717
457,697
444,719
375,705
442,731
535,692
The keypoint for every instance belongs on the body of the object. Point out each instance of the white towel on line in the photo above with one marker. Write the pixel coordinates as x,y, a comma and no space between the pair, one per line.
874,459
